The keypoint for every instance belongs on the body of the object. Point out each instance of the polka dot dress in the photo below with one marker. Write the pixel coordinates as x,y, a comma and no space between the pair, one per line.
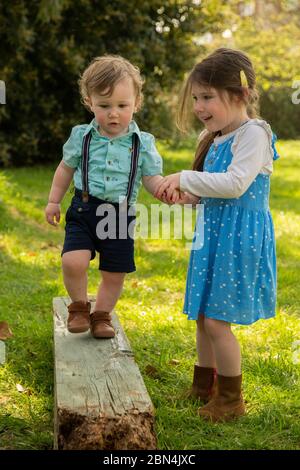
233,276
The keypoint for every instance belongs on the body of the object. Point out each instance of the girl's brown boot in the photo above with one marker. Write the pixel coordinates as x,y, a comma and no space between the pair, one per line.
204,383
228,402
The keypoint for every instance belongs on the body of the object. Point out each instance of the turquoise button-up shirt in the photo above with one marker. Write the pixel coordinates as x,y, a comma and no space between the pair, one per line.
109,161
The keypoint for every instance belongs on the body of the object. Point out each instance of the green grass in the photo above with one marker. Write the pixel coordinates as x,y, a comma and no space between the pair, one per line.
150,311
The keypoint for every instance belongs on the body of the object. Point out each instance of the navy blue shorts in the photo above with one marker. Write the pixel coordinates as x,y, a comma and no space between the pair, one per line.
105,232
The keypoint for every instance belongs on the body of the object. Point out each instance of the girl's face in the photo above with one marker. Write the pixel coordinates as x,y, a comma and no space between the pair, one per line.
113,113
218,113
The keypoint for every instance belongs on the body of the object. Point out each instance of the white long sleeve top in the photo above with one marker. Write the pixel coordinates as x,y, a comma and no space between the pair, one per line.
252,154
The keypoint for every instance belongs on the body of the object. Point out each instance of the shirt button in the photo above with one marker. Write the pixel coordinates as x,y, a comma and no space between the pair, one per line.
111,143
109,162
107,178
79,209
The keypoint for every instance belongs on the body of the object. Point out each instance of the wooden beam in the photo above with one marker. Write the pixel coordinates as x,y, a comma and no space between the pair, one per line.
101,401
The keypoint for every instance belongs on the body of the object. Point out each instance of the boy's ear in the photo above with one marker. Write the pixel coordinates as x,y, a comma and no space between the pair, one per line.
137,106
88,103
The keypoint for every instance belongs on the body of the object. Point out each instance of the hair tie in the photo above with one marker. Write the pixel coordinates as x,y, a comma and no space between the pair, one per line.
243,78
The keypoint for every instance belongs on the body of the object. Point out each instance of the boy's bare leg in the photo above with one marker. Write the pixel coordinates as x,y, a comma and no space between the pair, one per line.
109,290
75,265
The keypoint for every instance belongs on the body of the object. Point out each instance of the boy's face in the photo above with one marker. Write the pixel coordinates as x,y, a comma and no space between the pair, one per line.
216,112
113,113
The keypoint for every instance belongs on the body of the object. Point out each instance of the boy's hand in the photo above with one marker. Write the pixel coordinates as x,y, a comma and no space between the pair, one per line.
180,197
52,213
169,185
173,198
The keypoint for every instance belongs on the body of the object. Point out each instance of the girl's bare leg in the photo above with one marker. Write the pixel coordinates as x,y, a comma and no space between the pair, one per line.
225,346
205,352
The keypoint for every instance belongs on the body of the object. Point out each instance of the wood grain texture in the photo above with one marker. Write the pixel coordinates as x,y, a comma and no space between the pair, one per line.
101,401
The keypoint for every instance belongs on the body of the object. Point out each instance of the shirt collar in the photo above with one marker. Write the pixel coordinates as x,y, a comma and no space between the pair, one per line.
91,125
133,128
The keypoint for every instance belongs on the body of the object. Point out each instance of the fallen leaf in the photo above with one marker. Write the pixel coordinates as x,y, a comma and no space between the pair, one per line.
151,371
5,331
4,400
20,388
174,362
45,246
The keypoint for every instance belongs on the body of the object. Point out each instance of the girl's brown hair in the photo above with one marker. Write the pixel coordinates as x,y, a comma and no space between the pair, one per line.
220,70
102,75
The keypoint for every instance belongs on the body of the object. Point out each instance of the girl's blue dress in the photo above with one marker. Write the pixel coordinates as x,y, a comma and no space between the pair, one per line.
233,276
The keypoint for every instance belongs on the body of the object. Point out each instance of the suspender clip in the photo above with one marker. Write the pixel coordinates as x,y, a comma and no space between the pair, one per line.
85,196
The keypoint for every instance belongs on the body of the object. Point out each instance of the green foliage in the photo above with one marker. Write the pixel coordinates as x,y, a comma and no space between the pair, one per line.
277,108
275,51
45,45
270,33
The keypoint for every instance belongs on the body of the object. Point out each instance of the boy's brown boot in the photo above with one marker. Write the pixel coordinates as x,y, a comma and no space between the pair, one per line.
79,317
101,325
204,383
228,402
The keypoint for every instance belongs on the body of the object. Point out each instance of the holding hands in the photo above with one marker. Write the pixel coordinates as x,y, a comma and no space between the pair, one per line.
168,191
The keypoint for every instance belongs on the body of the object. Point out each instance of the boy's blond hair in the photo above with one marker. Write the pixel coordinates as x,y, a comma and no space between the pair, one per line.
104,72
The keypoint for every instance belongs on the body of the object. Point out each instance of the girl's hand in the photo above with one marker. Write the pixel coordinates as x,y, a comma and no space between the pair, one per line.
170,185
188,198
52,213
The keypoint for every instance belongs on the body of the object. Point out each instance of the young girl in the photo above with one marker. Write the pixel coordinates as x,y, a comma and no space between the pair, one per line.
232,278
108,158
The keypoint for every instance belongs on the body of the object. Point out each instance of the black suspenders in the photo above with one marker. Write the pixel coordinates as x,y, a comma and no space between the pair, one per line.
84,166
85,163
135,151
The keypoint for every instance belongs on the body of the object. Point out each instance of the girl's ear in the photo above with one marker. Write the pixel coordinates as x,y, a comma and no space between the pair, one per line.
246,92
238,99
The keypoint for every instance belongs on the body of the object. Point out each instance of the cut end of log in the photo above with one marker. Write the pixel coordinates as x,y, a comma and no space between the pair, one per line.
131,431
